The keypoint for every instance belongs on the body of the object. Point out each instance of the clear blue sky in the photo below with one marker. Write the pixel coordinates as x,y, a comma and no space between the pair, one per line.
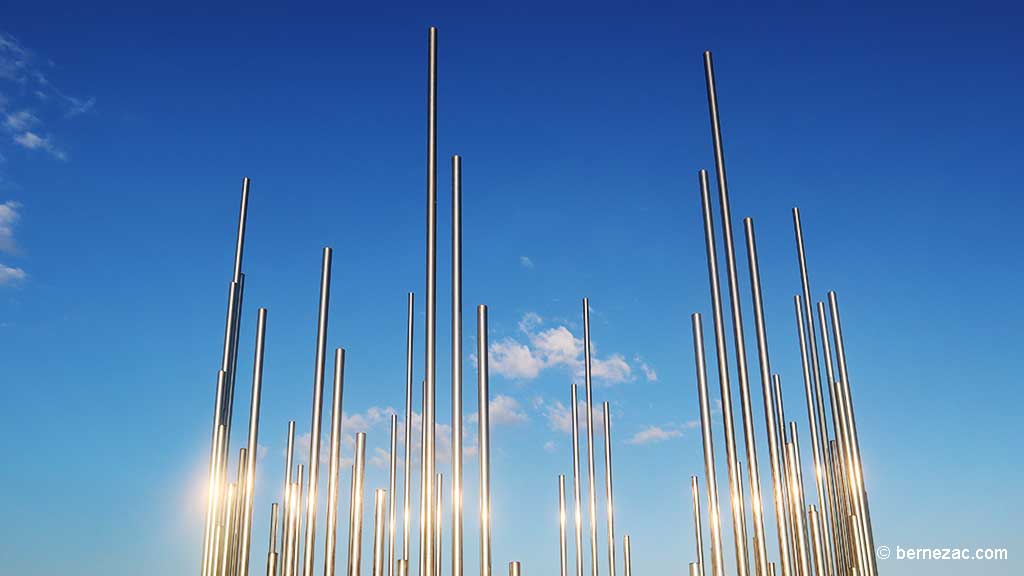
126,132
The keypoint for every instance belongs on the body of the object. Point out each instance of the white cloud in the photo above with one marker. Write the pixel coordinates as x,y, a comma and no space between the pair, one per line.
514,360
506,410
559,416
20,120
525,262
653,434
550,447
649,373
613,370
9,216
32,141
9,275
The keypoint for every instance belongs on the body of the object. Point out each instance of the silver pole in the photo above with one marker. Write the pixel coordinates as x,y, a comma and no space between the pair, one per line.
427,473
735,475
514,568
697,530
333,480
561,526
228,529
797,496
456,368
819,432
438,521
289,457
590,437
392,470
842,505
300,474
355,541
318,402
609,497
626,556
484,440
578,514
380,505
213,490
289,531
714,518
406,515
254,428
403,567
816,544
774,453
780,418
857,488
694,569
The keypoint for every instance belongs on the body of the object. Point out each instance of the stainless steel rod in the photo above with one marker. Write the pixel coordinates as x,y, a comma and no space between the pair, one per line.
289,457
627,556
392,471
780,418
698,532
577,506
355,542
427,474
289,532
227,530
456,368
798,502
213,491
333,479
300,474
842,504
774,452
608,492
750,442
590,437
484,440
714,518
562,561
817,545
236,521
514,568
254,430
438,521
318,400
380,505
407,430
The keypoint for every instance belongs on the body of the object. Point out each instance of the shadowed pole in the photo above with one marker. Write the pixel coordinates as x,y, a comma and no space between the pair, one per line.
333,479
407,430
456,478
697,530
714,518
484,440
254,430
577,506
590,437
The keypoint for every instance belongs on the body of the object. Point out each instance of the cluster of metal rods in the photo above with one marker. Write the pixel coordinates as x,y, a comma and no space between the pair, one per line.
832,538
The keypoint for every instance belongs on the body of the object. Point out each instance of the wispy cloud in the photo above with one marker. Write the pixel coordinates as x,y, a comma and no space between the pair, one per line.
9,216
649,373
525,262
9,275
653,434
559,416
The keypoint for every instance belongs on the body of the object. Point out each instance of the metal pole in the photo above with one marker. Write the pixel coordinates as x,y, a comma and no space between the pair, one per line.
254,428
780,418
289,531
590,437
318,400
514,568
774,452
427,474
227,530
355,540
578,514
438,522
456,368
844,541
626,556
608,494
236,521
797,498
213,491
697,530
816,541
272,549
392,470
406,515
380,505
289,457
714,519
484,440
297,539
333,480
561,526
761,554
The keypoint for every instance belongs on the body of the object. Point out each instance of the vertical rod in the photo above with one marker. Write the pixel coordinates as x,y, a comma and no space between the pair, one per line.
578,512
402,569
333,479
750,442
355,541
626,556
798,501
406,483
456,368
694,569
236,521
392,470
780,418
213,490
289,457
254,429
289,531
438,521
860,497
562,560
714,519
300,474
484,440
272,549
816,541
227,530
514,568
427,473
774,452
698,532
318,401
819,433
380,505
845,542
608,493
590,437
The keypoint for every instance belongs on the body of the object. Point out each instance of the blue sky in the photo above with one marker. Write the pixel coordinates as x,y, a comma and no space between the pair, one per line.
126,132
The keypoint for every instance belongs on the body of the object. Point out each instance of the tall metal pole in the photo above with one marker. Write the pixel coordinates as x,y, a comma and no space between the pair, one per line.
626,556
578,513
750,442
456,367
819,433
797,499
774,452
514,568
814,518
843,505
608,494
590,437
857,489
698,532
780,418
406,483
254,429
561,527
380,504
427,473
484,440
333,480
438,521
714,518
289,457
272,548
355,540
392,470
213,491
318,400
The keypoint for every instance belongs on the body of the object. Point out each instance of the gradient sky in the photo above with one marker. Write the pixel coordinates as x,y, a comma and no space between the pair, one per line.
126,131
